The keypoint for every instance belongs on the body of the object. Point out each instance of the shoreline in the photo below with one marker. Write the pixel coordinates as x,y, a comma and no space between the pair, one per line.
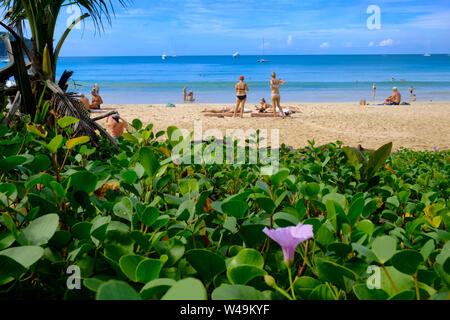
419,126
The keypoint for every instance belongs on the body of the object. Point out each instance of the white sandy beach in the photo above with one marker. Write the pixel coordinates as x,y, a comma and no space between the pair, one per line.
420,126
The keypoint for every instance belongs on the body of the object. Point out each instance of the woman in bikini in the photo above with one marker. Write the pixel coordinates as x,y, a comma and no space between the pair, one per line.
275,85
241,93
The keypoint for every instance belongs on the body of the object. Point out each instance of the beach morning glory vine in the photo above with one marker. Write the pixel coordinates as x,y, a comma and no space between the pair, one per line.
289,238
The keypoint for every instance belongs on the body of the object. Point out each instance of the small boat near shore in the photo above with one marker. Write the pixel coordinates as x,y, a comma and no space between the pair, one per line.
164,57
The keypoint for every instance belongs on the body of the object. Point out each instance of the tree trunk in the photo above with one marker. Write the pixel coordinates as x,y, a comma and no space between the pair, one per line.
23,80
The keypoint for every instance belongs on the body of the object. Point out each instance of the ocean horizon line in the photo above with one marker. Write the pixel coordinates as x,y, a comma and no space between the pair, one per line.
259,55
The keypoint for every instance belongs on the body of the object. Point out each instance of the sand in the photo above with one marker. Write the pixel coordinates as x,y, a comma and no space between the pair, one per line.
420,126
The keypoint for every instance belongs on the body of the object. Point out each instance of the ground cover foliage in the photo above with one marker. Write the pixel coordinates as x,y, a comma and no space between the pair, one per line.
140,224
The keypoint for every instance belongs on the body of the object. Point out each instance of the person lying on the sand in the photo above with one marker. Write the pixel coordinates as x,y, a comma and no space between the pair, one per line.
85,101
395,99
116,125
221,110
97,101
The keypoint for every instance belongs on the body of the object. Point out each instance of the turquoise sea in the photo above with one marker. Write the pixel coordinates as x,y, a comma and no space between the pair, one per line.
321,78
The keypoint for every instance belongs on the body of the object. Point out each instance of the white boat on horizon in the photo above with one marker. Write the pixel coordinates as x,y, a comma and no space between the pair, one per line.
236,55
164,57
262,60
6,60
427,55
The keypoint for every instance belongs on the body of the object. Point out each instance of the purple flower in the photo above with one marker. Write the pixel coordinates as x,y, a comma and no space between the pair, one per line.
289,238
436,149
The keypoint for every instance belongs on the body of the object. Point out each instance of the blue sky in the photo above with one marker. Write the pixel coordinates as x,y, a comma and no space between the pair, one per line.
193,27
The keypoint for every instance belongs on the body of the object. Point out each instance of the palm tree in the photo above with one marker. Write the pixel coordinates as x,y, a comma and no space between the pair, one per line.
42,16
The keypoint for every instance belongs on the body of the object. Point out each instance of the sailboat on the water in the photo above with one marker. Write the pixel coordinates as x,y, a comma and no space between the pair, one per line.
262,60
236,55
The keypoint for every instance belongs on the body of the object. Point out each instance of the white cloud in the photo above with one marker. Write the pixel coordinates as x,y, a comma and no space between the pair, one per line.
371,44
324,45
289,40
385,43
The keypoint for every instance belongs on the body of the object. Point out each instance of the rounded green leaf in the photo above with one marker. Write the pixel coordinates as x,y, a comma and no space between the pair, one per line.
249,257
335,273
56,142
384,248
39,231
67,121
40,163
206,263
447,266
25,255
280,176
83,181
148,270
237,292
186,289
266,204
129,176
72,143
150,215
10,163
155,289
362,292
355,211
244,274
407,261
124,209
117,290
311,190
237,209
128,264
149,161
137,124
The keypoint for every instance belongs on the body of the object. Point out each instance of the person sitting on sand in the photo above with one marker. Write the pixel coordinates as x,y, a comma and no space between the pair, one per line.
85,101
190,97
97,101
395,99
116,125
241,96
264,106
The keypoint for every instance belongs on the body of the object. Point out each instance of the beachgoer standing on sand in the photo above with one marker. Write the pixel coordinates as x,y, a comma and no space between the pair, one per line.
97,101
96,88
411,90
85,101
184,94
275,85
241,96
116,125
395,99
374,91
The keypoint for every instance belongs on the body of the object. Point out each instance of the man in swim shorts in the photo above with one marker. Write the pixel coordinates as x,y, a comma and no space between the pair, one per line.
395,99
